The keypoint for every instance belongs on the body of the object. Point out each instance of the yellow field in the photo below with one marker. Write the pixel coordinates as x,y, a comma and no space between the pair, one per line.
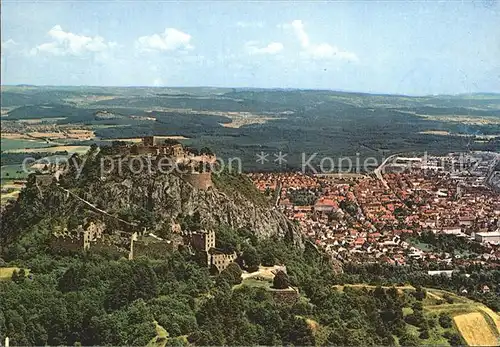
470,120
69,149
264,272
76,134
40,120
6,272
447,133
15,136
64,134
49,134
172,137
478,324
239,122
5,197
139,139
134,140
493,315
475,330
435,132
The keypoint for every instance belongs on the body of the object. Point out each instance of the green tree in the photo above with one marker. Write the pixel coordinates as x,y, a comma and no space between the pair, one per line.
281,280
268,259
250,258
409,340
231,275
445,320
420,293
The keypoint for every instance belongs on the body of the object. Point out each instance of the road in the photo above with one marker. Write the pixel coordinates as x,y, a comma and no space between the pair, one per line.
491,174
378,171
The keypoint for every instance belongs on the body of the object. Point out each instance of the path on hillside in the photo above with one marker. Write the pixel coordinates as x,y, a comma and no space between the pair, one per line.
97,209
278,194
469,315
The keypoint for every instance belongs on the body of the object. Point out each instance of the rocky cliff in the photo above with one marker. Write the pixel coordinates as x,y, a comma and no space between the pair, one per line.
232,201
152,201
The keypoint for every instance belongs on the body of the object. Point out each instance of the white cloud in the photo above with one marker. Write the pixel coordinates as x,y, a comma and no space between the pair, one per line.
67,43
326,51
171,39
317,51
158,82
9,44
272,48
300,32
242,24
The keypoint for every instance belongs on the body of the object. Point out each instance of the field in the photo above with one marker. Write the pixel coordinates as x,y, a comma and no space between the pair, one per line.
14,144
11,178
53,149
493,315
5,197
476,323
263,278
474,329
264,272
239,121
13,172
162,337
41,120
6,272
139,139
243,122
469,120
446,133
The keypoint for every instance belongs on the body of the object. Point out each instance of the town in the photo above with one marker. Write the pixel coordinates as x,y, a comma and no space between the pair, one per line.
387,217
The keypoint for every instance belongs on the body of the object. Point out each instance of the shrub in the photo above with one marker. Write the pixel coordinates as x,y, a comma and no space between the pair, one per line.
445,320
281,280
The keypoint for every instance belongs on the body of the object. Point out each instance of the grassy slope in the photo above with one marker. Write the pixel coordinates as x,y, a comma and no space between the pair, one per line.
6,273
475,330
234,184
486,325
162,337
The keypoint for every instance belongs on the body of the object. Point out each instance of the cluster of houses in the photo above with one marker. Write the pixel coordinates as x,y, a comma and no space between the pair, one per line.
367,219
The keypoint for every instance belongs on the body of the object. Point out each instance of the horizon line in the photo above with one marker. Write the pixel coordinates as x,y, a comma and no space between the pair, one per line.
255,88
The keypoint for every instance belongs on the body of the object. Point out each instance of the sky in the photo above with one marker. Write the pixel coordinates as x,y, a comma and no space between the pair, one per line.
396,47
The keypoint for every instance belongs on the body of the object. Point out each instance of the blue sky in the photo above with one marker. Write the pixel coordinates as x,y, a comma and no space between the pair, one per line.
418,47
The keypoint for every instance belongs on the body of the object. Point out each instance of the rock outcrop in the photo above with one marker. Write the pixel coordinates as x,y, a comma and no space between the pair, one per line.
168,196
155,201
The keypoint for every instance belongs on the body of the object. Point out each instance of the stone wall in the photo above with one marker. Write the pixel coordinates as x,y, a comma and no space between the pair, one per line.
287,296
222,260
202,241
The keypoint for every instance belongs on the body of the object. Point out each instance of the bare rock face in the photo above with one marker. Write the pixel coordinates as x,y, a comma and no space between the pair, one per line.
168,196
147,200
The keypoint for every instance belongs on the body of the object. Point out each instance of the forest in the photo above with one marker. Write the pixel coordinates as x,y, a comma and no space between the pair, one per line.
98,299
329,123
